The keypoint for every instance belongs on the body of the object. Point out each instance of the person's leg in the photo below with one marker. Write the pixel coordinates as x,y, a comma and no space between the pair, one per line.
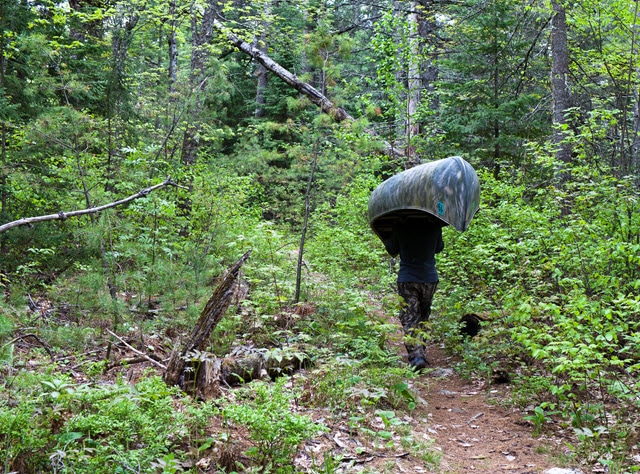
427,290
411,316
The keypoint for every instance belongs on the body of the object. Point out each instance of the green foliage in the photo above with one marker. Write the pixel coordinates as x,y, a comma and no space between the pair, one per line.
361,374
275,430
64,426
90,113
490,94
6,329
559,299
539,417
342,241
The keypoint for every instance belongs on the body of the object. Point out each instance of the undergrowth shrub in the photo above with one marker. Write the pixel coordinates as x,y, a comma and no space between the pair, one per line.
559,294
58,425
6,328
342,243
347,386
274,427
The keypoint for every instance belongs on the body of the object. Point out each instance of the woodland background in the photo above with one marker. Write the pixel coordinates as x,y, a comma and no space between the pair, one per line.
101,99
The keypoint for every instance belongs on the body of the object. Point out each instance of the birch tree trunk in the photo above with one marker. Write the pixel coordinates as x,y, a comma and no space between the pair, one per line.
634,164
173,49
413,84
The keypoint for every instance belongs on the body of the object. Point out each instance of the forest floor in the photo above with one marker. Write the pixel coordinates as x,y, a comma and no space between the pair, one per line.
460,425
475,431
468,427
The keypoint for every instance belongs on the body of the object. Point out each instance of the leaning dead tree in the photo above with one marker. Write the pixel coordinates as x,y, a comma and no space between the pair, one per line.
189,366
201,373
92,210
313,94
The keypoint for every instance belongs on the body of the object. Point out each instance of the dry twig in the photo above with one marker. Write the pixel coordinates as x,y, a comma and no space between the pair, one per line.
141,354
24,336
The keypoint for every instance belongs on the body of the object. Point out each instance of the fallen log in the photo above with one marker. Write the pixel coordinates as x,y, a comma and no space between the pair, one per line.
313,94
233,369
190,367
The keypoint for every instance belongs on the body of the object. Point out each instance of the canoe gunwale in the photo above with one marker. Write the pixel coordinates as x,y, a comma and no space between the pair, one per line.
381,224
399,212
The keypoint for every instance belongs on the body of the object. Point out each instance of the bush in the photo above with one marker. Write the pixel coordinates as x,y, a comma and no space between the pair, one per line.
276,431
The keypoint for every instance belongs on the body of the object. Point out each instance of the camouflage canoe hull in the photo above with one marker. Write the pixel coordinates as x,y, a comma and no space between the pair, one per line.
446,189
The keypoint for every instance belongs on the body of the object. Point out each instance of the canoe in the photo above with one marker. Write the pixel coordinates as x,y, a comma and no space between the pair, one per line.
447,190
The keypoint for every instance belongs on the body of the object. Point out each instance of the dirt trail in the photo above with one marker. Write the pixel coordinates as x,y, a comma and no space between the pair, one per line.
475,432
469,423
462,422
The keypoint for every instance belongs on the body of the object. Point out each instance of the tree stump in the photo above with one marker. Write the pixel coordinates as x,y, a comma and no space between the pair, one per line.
190,367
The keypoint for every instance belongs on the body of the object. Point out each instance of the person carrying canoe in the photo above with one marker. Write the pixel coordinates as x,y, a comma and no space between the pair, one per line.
417,240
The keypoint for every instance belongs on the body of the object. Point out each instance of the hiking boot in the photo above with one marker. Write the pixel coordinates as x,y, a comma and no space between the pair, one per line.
418,363
418,360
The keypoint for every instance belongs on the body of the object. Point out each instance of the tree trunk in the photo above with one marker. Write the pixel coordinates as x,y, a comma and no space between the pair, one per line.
3,184
3,149
202,35
560,88
3,152
634,163
261,86
303,236
261,71
173,49
117,93
630,162
413,85
427,29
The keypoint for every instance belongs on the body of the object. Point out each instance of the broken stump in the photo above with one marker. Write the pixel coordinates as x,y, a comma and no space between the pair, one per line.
189,367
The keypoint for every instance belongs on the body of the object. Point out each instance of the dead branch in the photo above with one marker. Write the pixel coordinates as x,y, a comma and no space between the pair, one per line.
93,210
141,354
34,336
126,362
314,95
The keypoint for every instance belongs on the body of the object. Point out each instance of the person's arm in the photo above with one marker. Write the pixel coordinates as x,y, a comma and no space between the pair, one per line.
439,241
391,244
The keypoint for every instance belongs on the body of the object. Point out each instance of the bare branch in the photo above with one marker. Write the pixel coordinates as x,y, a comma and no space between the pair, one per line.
93,210
34,336
141,354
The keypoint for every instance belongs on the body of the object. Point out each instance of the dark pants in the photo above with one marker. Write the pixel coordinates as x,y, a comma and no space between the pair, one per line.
418,297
